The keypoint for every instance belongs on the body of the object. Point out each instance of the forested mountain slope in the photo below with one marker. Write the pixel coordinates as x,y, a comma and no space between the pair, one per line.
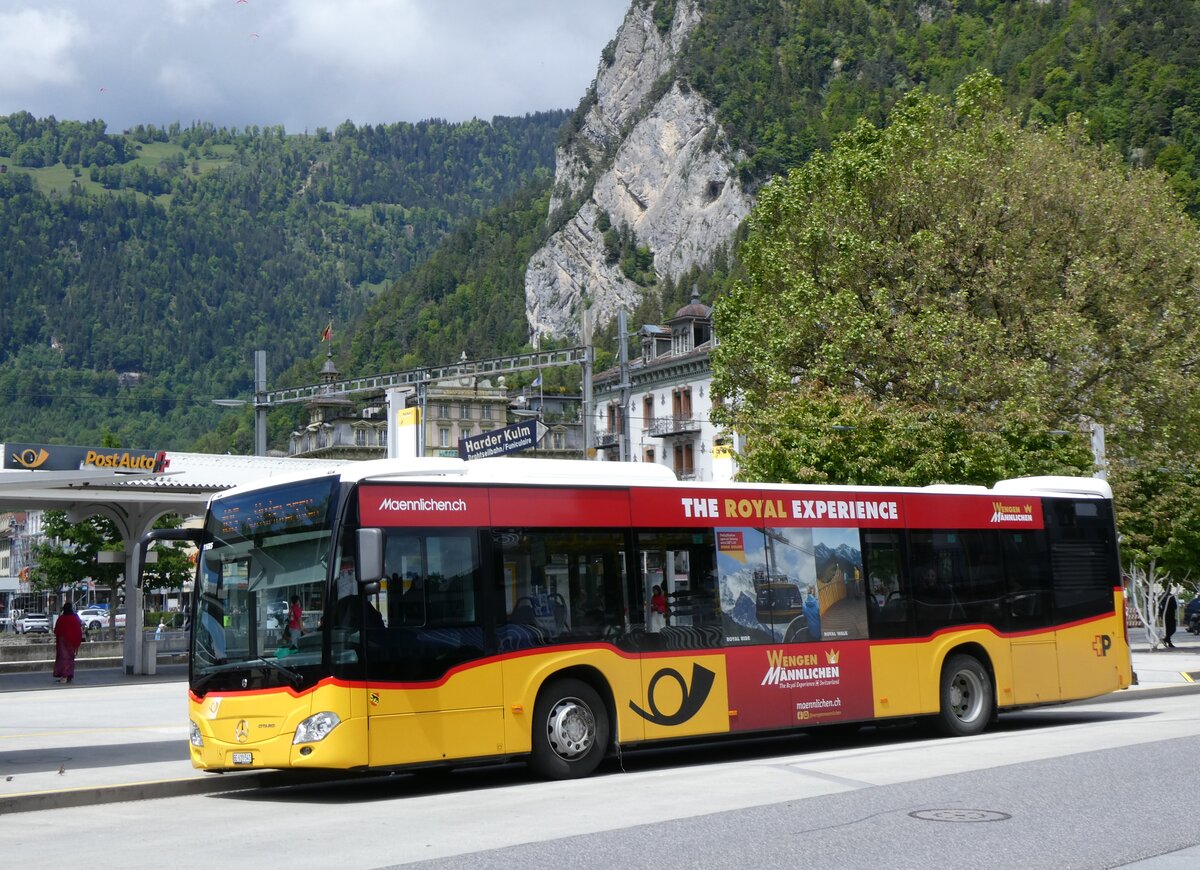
147,275
698,101
139,271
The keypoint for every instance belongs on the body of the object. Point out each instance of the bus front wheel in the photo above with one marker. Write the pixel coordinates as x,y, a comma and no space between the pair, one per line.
966,695
570,730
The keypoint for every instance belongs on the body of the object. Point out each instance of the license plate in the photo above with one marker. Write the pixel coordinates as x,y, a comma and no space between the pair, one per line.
243,758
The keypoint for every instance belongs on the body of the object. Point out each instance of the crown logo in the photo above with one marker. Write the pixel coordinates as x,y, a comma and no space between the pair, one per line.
832,656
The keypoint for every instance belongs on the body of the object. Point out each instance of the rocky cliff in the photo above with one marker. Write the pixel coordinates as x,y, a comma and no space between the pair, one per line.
648,154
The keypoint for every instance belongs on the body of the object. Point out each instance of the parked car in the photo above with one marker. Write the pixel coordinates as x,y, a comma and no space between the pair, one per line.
97,617
1191,615
34,623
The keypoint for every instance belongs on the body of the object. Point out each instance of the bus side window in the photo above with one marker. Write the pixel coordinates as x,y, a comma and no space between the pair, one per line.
983,593
682,564
940,580
431,622
1081,536
1027,568
559,586
887,593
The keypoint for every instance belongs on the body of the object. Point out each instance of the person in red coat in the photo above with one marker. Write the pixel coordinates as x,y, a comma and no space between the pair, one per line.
68,634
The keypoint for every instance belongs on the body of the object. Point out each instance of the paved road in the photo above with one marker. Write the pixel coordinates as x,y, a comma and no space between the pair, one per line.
1062,787
120,737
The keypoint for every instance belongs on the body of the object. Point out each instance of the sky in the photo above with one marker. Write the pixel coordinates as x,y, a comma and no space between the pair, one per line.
300,63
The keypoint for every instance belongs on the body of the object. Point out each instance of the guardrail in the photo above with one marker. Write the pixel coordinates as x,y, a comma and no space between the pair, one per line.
24,656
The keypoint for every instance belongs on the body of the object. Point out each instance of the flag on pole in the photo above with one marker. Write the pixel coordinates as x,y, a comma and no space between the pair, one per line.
537,382
327,333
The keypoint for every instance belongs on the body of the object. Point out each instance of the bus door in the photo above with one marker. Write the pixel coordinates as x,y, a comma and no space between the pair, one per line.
890,619
1029,612
689,678
426,699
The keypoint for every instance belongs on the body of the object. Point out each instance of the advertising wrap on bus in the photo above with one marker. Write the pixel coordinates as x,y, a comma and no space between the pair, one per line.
543,610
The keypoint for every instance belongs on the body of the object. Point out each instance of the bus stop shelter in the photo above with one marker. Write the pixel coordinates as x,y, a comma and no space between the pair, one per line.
134,500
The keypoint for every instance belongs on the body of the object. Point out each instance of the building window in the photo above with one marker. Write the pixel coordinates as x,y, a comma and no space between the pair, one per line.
647,411
443,437
464,412
684,459
360,437
487,412
444,411
558,441
648,454
681,403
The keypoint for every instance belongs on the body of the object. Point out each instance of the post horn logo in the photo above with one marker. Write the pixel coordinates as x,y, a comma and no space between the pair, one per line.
30,458
242,731
693,699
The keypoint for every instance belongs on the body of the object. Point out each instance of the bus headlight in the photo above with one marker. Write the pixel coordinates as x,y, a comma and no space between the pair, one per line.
194,734
316,727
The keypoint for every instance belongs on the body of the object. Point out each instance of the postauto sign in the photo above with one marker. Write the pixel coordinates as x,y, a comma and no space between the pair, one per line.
59,457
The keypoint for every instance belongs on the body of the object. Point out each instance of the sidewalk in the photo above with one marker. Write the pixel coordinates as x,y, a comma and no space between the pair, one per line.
106,737
112,737
1165,669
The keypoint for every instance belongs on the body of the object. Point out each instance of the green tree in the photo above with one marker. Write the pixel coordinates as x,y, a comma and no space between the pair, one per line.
70,555
953,298
70,552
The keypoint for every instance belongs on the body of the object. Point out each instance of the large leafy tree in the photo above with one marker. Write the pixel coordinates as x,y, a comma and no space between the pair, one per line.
957,297
70,555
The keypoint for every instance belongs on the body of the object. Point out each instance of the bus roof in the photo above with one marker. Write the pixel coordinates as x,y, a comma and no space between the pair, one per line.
515,470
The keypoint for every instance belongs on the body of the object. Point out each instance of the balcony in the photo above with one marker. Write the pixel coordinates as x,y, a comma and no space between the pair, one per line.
607,439
661,427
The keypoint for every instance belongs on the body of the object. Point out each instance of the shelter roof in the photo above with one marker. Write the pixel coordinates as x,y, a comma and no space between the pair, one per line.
185,485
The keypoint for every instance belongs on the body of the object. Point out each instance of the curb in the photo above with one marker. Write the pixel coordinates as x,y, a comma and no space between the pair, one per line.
1159,691
136,791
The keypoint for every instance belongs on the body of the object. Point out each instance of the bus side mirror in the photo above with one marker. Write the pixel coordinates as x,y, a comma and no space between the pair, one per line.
370,556
197,537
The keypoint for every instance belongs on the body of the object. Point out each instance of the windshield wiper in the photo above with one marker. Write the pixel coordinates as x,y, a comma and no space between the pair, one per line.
206,674
294,677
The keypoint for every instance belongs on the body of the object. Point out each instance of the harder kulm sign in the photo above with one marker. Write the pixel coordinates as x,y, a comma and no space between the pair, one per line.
59,457
497,442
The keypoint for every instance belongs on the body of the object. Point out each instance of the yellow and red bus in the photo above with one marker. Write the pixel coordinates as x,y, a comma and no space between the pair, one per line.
399,614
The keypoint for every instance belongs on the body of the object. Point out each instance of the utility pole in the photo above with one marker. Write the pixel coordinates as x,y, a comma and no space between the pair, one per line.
589,440
261,405
623,416
1098,457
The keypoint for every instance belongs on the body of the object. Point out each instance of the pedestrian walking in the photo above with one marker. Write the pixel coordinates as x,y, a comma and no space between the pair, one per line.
295,621
1167,610
68,635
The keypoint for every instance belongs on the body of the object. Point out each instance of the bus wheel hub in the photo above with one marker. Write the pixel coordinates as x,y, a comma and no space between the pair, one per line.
571,728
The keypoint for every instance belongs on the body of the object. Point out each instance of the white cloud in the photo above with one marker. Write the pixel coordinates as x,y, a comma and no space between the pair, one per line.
183,83
301,63
35,48
363,36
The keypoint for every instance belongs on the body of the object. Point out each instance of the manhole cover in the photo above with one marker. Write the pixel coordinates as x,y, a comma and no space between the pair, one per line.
960,816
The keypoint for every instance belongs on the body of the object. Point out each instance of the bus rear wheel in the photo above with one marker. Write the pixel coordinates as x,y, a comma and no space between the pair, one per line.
570,730
966,697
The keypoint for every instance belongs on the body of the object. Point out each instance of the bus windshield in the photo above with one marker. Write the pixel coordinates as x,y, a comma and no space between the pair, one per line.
260,590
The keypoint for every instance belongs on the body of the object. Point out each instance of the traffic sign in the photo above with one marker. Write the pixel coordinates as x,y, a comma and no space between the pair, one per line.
497,442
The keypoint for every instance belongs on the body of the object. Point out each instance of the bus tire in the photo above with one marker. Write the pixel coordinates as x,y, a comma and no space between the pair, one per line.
966,697
570,730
